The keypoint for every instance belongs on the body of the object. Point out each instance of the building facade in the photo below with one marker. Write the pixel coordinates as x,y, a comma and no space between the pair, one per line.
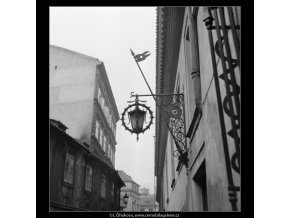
198,57
81,97
80,180
147,201
132,191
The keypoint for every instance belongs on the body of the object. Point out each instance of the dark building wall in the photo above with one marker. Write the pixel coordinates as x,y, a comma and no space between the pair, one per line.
206,151
64,196
75,81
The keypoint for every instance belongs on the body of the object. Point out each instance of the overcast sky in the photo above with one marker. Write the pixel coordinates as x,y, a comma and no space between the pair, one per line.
108,33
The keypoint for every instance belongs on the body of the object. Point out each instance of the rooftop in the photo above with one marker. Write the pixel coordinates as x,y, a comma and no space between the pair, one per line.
58,124
74,52
147,200
125,177
96,153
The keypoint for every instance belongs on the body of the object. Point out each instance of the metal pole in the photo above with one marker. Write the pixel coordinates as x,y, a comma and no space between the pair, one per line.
229,58
235,35
183,155
142,74
132,95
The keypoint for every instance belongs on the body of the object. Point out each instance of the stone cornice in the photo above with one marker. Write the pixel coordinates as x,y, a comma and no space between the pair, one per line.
169,29
76,53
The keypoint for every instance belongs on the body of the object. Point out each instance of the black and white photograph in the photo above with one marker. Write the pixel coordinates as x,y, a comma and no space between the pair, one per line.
137,111
144,109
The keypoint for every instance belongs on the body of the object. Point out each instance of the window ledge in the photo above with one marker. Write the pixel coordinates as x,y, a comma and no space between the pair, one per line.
88,192
68,184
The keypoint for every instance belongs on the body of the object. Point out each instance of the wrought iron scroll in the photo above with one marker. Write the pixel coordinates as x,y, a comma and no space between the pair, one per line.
230,104
172,112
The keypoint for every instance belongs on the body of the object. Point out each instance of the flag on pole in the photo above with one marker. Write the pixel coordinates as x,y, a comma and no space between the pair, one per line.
140,57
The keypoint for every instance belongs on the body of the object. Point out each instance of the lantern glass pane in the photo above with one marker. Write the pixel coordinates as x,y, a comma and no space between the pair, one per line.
133,118
141,120
137,118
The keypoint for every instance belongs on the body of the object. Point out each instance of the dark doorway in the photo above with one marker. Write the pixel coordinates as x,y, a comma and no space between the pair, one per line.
200,179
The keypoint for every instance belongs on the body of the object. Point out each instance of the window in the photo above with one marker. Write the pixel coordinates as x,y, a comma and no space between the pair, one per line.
109,150
101,137
105,144
114,131
112,152
112,124
113,158
128,184
103,186
110,118
102,102
193,59
108,114
97,129
99,95
112,192
200,179
89,178
118,194
69,168
106,111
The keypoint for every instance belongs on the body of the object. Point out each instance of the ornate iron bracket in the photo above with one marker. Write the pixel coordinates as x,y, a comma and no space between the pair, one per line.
172,110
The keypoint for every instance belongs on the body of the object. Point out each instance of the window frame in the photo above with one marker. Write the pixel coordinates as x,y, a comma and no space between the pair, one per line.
91,180
73,167
103,187
97,129
200,179
112,192
101,136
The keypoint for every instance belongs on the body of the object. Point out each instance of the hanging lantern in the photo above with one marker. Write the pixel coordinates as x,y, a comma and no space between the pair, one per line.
137,118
